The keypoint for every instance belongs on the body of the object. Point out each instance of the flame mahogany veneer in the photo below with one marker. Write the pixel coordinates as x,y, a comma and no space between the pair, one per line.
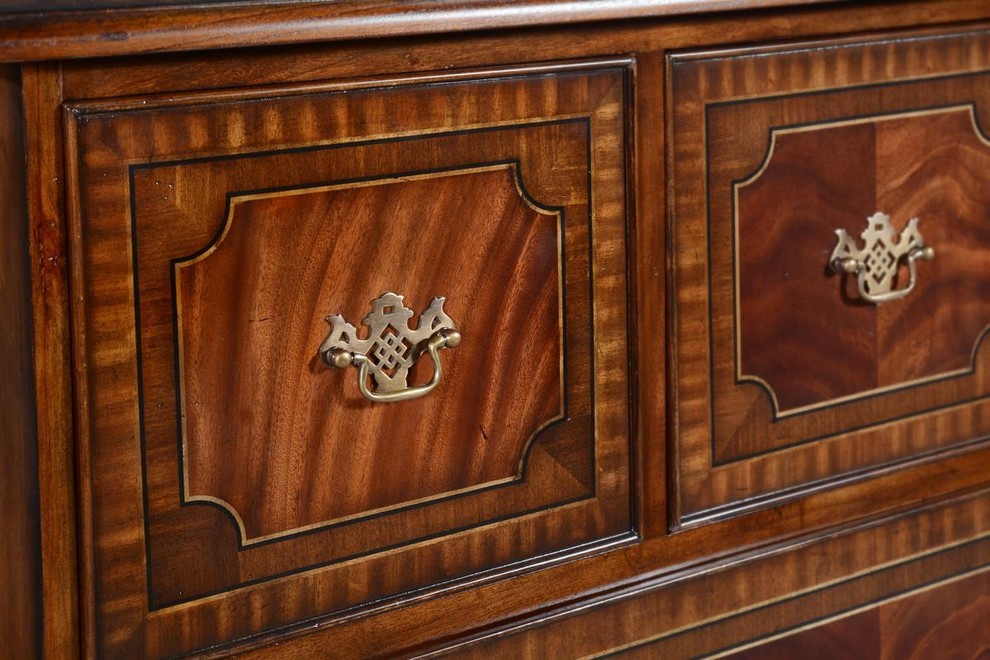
800,378
669,429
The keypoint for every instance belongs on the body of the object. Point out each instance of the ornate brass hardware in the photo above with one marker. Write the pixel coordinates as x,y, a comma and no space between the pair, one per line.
392,348
877,262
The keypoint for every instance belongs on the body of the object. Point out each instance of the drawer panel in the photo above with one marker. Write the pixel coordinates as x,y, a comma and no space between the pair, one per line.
792,372
244,311
233,467
931,167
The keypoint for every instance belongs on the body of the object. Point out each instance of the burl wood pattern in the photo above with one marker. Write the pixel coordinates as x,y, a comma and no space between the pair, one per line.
775,352
505,195
933,165
254,303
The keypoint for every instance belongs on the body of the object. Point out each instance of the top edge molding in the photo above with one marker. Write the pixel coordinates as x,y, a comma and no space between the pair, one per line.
64,29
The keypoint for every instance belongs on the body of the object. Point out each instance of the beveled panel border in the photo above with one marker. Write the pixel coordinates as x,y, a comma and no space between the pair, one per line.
738,184
118,547
233,198
702,488
651,604
739,377
583,119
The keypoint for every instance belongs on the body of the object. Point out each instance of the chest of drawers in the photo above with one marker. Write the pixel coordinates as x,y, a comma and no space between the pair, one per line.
519,328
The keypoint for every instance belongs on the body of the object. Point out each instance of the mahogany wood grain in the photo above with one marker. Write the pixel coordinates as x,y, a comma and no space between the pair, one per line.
698,611
743,418
806,333
124,28
693,591
725,107
58,471
20,548
807,523
397,492
807,337
38,510
585,9
855,637
947,619
286,259
648,369
250,68
189,72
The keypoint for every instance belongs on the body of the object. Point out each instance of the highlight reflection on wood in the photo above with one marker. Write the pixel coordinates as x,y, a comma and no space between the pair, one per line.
263,415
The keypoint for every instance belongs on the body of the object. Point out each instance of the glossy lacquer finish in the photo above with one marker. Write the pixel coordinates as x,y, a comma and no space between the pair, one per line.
587,478
803,380
260,475
284,258
930,165
57,29
947,620
20,569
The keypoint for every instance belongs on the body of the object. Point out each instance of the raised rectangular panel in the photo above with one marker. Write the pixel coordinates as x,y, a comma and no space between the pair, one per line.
791,376
233,470
245,337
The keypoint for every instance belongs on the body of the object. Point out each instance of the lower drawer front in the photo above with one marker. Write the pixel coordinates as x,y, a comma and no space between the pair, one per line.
832,244
943,620
232,248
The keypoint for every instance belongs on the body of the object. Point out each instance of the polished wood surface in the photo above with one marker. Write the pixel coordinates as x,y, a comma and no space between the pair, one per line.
731,113
233,69
701,611
805,333
289,257
777,543
240,246
855,637
57,459
20,556
58,29
945,620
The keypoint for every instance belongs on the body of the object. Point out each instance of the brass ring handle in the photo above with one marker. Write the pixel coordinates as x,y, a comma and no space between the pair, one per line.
391,348
341,359
875,265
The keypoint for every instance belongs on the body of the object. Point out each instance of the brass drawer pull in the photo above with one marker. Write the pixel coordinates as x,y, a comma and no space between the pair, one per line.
877,263
391,348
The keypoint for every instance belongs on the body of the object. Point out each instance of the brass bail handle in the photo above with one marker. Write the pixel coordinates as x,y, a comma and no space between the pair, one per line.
875,265
391,348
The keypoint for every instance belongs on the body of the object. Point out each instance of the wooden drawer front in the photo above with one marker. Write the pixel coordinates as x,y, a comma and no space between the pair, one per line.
787,377
233,471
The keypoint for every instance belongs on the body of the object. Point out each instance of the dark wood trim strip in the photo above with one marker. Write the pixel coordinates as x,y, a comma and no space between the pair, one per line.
21,600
